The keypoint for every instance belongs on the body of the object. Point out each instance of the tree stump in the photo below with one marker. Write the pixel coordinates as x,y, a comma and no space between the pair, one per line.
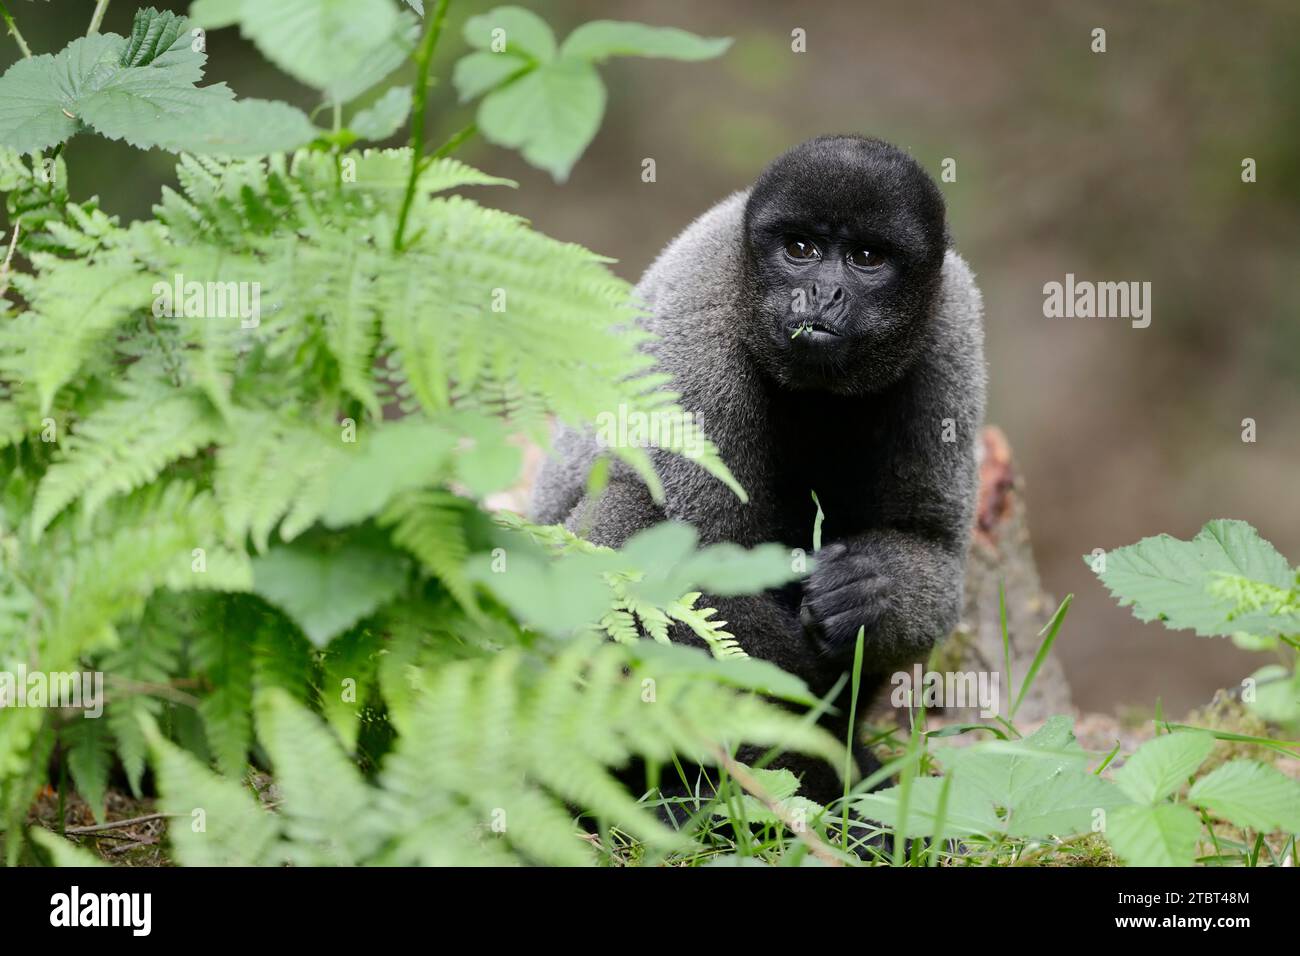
1001,554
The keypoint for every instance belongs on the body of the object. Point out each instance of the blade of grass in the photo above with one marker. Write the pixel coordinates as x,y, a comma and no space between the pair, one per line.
1109,757
1052,628
817,524
853,718
1006,639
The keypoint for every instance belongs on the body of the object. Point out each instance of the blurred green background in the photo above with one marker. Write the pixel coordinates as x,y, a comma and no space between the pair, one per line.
1115,166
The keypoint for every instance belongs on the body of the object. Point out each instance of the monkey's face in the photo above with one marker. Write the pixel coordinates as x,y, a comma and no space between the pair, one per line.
845,240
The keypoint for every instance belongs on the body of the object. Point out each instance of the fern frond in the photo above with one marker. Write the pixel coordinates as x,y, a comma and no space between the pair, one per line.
217,823
722,643
123,446
223,651
271,468
88,745
328,813
136,671
431,525
74,306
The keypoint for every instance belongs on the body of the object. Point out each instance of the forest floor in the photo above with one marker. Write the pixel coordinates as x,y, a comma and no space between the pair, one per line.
135,833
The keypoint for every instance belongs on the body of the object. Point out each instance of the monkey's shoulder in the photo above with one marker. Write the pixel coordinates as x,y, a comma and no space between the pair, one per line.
698,274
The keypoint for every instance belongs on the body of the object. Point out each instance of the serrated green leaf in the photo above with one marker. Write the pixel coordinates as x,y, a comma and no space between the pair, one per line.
1276,694
1064,804
326,592
1166,579
385,116
390,459
550,114
672,566
554,595
601,39
967,813
1164,834
342,47
124,90
214,14
152,34
490,462
140,103
1251,795
40,97
476,73
247,127
523,32
1006,772
1161,765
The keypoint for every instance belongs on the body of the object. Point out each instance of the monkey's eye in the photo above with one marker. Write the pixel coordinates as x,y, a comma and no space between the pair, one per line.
866,258
800,249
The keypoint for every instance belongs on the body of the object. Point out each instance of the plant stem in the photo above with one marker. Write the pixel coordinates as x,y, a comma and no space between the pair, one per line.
454,143
423,58
96,18
13,31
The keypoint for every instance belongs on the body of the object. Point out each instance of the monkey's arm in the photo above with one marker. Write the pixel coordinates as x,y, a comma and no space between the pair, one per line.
901,577
903,587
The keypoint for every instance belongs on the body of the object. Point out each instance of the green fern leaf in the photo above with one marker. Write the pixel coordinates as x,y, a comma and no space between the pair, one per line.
329,818
89,748
218,823
123,446
222,649
140,667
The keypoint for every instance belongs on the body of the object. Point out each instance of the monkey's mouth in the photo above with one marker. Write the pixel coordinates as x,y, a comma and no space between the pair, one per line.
812,331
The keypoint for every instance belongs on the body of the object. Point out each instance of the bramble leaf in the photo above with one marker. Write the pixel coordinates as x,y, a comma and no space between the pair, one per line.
601,39
1250,794
1160,766
327,591
1173,581
550,114
523,32
1163,834
385,117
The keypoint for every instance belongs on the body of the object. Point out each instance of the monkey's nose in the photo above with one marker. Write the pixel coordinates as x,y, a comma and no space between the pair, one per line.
828,295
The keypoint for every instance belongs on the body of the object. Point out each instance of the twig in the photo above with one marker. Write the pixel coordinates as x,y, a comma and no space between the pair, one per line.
423,58
97,17
13,31
168,691
118,824
752,786
453,144
128,847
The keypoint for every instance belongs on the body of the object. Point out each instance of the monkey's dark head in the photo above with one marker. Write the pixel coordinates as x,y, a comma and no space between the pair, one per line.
844,241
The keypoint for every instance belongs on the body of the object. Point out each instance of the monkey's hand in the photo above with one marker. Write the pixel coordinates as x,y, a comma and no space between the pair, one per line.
903,590
846,591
